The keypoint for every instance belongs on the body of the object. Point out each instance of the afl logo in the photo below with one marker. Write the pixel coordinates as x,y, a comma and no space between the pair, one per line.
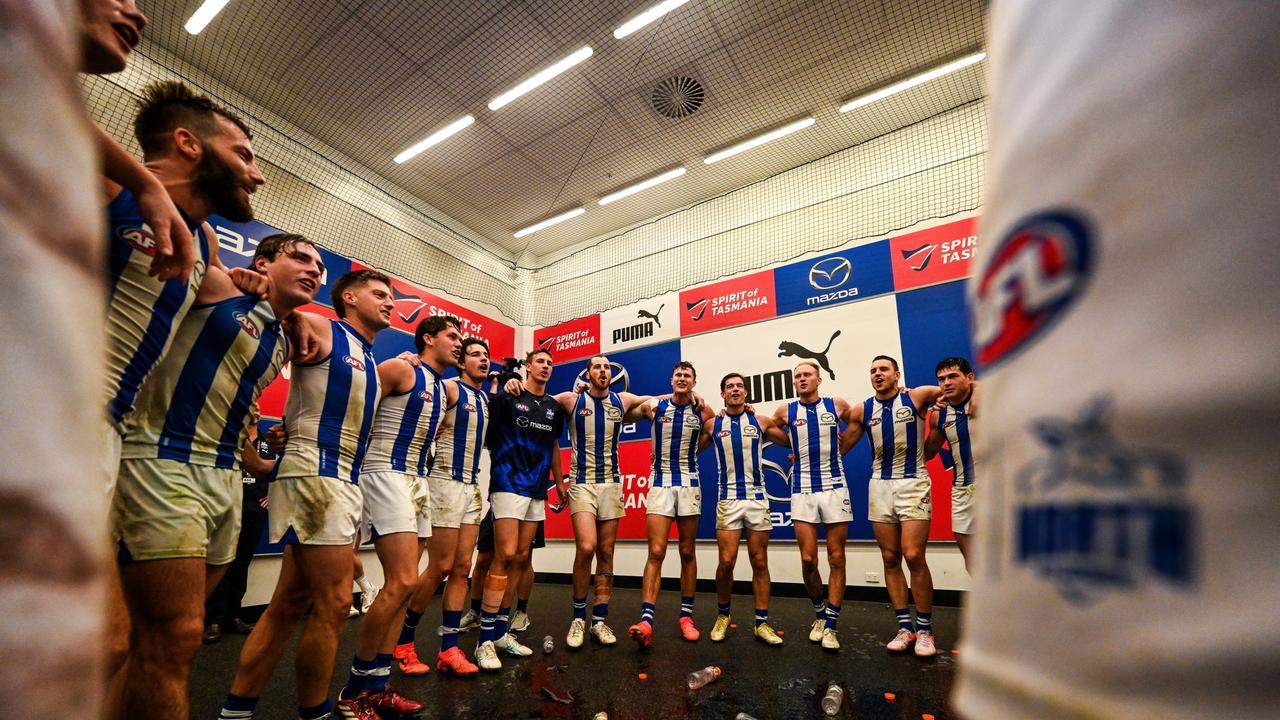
724,433
139,237
585,412
800,422
873,422
830,274
424,396
1035,273
247,325
469,408
353,362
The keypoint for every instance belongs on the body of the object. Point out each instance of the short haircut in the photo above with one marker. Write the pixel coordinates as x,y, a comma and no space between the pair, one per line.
538,351
351,280
591,360
169,105
432,325
885,357
816,369
954,362
725,380
271,246
468,342
687,366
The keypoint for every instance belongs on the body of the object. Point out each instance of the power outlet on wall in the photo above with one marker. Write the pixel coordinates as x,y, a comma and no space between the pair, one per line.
873,577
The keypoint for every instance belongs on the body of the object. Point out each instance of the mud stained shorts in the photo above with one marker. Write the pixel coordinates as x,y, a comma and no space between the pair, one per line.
111,459
962,509
826,507
167,509
674,501
604,500
454,503
388,506
314,511
894,501
743,514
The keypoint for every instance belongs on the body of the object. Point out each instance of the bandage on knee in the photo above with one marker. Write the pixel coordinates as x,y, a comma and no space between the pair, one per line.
495,587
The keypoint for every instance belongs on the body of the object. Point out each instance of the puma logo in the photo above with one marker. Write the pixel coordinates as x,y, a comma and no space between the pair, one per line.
652,315
787,348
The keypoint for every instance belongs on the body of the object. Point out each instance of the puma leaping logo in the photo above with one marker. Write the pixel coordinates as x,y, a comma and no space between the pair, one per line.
788,348
652,315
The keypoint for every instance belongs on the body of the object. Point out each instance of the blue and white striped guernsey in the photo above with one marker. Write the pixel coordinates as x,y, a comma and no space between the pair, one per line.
329,413
195,406
461,439
897,435
737,440
956,425
143,313
815,442
594,429
406,424
675,445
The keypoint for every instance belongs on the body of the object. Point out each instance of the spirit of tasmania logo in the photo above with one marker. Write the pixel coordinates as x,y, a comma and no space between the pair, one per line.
1097,515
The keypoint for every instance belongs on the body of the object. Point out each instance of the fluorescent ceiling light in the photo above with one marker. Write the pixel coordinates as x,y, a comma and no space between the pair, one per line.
642,185
435,138
647,17
549,222
759,140
913,81
543,76
204,14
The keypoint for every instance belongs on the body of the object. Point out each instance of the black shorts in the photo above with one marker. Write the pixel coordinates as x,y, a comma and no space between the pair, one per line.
484,541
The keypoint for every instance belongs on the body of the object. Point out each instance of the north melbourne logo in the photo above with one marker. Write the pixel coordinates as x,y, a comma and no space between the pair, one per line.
1098,515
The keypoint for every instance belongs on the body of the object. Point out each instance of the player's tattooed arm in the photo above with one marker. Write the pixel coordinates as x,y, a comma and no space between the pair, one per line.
174,248
852,416
933,442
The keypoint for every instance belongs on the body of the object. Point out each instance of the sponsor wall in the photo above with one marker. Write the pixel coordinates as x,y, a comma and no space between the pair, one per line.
902,296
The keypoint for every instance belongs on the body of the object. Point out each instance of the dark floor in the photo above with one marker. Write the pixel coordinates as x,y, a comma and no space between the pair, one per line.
765,682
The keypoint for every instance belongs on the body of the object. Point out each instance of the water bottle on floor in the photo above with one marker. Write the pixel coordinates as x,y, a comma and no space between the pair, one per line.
700,678
831,701
548,644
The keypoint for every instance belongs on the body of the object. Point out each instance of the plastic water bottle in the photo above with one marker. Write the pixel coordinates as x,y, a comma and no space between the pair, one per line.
831,701
548,645
700,678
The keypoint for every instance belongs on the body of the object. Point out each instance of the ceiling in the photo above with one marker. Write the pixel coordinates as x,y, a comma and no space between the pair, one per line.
371,78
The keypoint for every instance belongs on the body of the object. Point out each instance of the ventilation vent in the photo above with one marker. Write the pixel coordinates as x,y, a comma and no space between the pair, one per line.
677,97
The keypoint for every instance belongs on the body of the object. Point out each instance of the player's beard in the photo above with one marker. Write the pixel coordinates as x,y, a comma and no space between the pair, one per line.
220,185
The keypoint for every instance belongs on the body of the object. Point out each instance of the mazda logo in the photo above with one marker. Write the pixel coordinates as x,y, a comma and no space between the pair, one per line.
830,274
